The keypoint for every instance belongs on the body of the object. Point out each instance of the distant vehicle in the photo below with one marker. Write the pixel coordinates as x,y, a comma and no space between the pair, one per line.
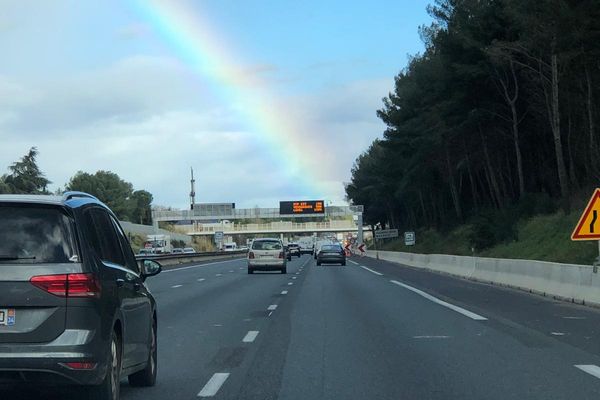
145,252
161,244
230,246
177,250
267,255
189,250
331,254
307,245
318,246
69,280
243,248
293,250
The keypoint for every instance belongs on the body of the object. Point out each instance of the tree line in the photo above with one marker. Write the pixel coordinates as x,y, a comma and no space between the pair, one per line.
25,177
496,119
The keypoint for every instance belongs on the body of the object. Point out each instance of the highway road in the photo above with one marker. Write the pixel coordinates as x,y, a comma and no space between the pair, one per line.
369,330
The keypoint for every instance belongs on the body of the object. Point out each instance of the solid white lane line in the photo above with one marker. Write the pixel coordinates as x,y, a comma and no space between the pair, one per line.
458,309
593,370
201,279
176,286
250,336
272,307
284,292
370,270
214,384
199,265
353,262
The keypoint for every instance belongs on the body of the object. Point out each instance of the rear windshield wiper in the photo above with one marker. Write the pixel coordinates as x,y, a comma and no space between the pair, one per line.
11,258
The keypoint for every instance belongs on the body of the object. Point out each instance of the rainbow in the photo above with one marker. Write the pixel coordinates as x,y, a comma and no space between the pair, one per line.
201,47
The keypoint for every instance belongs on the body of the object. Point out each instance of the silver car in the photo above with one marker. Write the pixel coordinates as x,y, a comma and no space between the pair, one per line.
267,255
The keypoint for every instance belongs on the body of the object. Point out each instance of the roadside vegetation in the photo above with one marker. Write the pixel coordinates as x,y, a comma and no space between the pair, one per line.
492,135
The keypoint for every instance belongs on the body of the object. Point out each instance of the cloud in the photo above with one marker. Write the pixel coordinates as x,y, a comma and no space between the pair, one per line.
149,119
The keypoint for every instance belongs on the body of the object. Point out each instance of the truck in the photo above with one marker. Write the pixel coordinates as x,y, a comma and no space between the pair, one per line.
160,244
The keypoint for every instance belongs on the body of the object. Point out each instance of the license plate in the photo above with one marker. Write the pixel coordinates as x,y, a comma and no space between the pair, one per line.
7,316
266,256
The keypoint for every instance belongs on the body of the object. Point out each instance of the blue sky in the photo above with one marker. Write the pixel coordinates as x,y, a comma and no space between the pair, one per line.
95,81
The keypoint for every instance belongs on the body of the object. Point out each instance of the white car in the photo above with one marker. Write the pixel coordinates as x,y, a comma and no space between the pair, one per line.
189,250
230,247
267,255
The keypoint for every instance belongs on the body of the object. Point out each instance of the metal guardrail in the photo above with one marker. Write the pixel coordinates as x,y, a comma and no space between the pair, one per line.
187,255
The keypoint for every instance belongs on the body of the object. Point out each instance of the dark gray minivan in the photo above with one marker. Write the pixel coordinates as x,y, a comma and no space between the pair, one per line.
74,308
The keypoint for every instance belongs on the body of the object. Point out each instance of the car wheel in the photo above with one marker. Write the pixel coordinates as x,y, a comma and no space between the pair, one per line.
284,270
250,271
318,263
147,376
110,386
344,264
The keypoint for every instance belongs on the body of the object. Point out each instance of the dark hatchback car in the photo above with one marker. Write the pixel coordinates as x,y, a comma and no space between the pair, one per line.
331,254
74,308
294,250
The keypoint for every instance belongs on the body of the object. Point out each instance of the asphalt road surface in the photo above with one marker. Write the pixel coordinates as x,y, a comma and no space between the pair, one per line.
369,330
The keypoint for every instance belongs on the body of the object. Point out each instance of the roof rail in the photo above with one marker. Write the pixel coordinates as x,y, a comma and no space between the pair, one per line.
73,194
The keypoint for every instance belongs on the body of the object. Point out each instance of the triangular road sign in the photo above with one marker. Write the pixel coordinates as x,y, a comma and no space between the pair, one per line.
588,227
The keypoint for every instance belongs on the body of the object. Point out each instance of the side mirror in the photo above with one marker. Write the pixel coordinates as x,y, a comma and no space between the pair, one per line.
150,268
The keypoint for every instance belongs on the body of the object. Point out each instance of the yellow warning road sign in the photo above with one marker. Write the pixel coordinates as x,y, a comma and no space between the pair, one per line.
588,227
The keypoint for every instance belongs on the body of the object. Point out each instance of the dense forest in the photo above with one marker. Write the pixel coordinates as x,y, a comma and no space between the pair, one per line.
496,120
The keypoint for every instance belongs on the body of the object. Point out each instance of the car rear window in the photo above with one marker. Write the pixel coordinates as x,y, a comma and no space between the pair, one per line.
266,245
36,234
330,247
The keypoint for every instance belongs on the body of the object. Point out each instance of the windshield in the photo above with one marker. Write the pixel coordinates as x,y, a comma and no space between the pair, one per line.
32,234
266,245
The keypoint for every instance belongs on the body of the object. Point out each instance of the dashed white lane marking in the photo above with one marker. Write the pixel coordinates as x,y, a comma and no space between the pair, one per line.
294,277
231,271
271,313
593,370
557,333
250,336
370,270
458,309
272,307
574,317
353,262
214,384
284,292
297,273
176,286
431,337
219,275
201,280
200,265
290,283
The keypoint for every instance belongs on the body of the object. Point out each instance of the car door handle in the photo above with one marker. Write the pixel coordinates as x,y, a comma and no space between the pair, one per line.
120,282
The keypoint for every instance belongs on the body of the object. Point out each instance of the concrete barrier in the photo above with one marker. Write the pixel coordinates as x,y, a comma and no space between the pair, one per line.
571,282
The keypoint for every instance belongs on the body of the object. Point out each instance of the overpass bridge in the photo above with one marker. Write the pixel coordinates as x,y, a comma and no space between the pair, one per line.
207,219
281,227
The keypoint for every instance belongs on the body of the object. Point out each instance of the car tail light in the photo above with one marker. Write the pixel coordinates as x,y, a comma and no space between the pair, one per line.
251,255
80,365
281,254
68,285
